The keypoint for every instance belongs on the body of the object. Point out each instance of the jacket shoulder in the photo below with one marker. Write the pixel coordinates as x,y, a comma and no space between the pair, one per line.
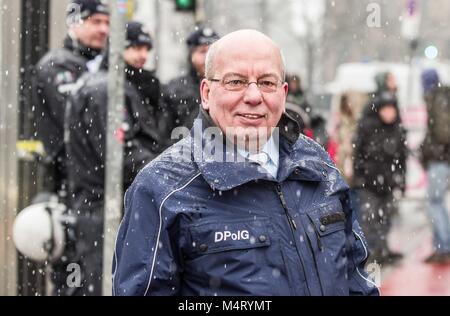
91,92
310,153
306,148
60,57
169,171
179,85
94,82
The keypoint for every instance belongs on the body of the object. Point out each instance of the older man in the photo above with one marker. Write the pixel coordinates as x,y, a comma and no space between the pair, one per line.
275,221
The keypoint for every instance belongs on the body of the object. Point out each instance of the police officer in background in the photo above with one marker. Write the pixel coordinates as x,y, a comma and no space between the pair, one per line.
56,74
86,148
182,94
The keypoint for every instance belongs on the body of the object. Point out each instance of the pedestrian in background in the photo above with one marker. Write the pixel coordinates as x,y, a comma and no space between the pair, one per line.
379,171
436,159
182,94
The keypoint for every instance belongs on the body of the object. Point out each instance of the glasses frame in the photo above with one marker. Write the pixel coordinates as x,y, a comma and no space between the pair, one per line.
221,81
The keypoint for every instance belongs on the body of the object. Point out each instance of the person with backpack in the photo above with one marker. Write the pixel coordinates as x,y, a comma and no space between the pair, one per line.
436,160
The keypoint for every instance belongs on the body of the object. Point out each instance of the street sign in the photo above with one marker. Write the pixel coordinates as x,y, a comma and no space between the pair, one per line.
411,20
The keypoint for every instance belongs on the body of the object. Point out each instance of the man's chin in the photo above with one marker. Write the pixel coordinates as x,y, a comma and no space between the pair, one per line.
98,44
250,138
138,66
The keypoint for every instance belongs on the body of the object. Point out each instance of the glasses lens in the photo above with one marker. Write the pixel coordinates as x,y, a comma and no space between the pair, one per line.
268,85
235,84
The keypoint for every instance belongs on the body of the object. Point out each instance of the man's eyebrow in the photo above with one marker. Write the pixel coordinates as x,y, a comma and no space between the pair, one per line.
230,74
268,75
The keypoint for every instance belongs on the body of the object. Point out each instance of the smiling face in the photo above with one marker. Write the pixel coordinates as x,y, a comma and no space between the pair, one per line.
251,56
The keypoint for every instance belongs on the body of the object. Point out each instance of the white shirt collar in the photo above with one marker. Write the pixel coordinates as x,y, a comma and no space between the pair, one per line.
268,158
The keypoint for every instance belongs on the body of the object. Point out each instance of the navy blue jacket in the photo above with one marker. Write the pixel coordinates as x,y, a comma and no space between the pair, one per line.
203,227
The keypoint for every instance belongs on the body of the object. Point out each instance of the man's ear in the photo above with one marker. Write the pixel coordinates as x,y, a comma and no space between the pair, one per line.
285,90
204,92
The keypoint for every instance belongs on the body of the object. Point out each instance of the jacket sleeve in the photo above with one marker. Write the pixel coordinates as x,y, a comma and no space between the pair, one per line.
50,104
136,156
166,123
357,253
94,116
140,138
144,262
403,159
358,147
47,84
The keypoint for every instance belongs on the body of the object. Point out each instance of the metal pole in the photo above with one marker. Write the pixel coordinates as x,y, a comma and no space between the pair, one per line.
309,45
10,46
114,149
412,52
158,32
264,17
417,8
200,13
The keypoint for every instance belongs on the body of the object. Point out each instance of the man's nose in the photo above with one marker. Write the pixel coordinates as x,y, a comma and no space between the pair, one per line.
144,55
104,28
252,94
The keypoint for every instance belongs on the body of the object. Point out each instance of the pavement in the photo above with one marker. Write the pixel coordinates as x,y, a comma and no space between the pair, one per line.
411,235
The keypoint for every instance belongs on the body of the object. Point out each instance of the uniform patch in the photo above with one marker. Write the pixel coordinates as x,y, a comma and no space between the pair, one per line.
64,77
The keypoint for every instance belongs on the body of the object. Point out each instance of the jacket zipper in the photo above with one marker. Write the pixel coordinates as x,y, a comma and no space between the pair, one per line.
284,204
293,227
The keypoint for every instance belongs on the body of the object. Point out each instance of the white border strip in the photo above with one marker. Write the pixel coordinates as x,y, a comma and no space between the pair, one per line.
115,248
333,167
367,254
115,258
159,231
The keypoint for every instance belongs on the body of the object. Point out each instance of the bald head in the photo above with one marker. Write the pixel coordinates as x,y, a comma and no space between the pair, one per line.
245,89
243,41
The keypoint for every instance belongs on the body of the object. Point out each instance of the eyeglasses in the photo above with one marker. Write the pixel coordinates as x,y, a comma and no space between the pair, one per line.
266,84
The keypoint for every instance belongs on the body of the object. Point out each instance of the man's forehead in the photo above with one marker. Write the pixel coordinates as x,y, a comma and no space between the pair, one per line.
260,65
243,75
98,17
256,47
247,51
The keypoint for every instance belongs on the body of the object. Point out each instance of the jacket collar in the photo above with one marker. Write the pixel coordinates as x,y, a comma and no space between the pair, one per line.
78,48
298,161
